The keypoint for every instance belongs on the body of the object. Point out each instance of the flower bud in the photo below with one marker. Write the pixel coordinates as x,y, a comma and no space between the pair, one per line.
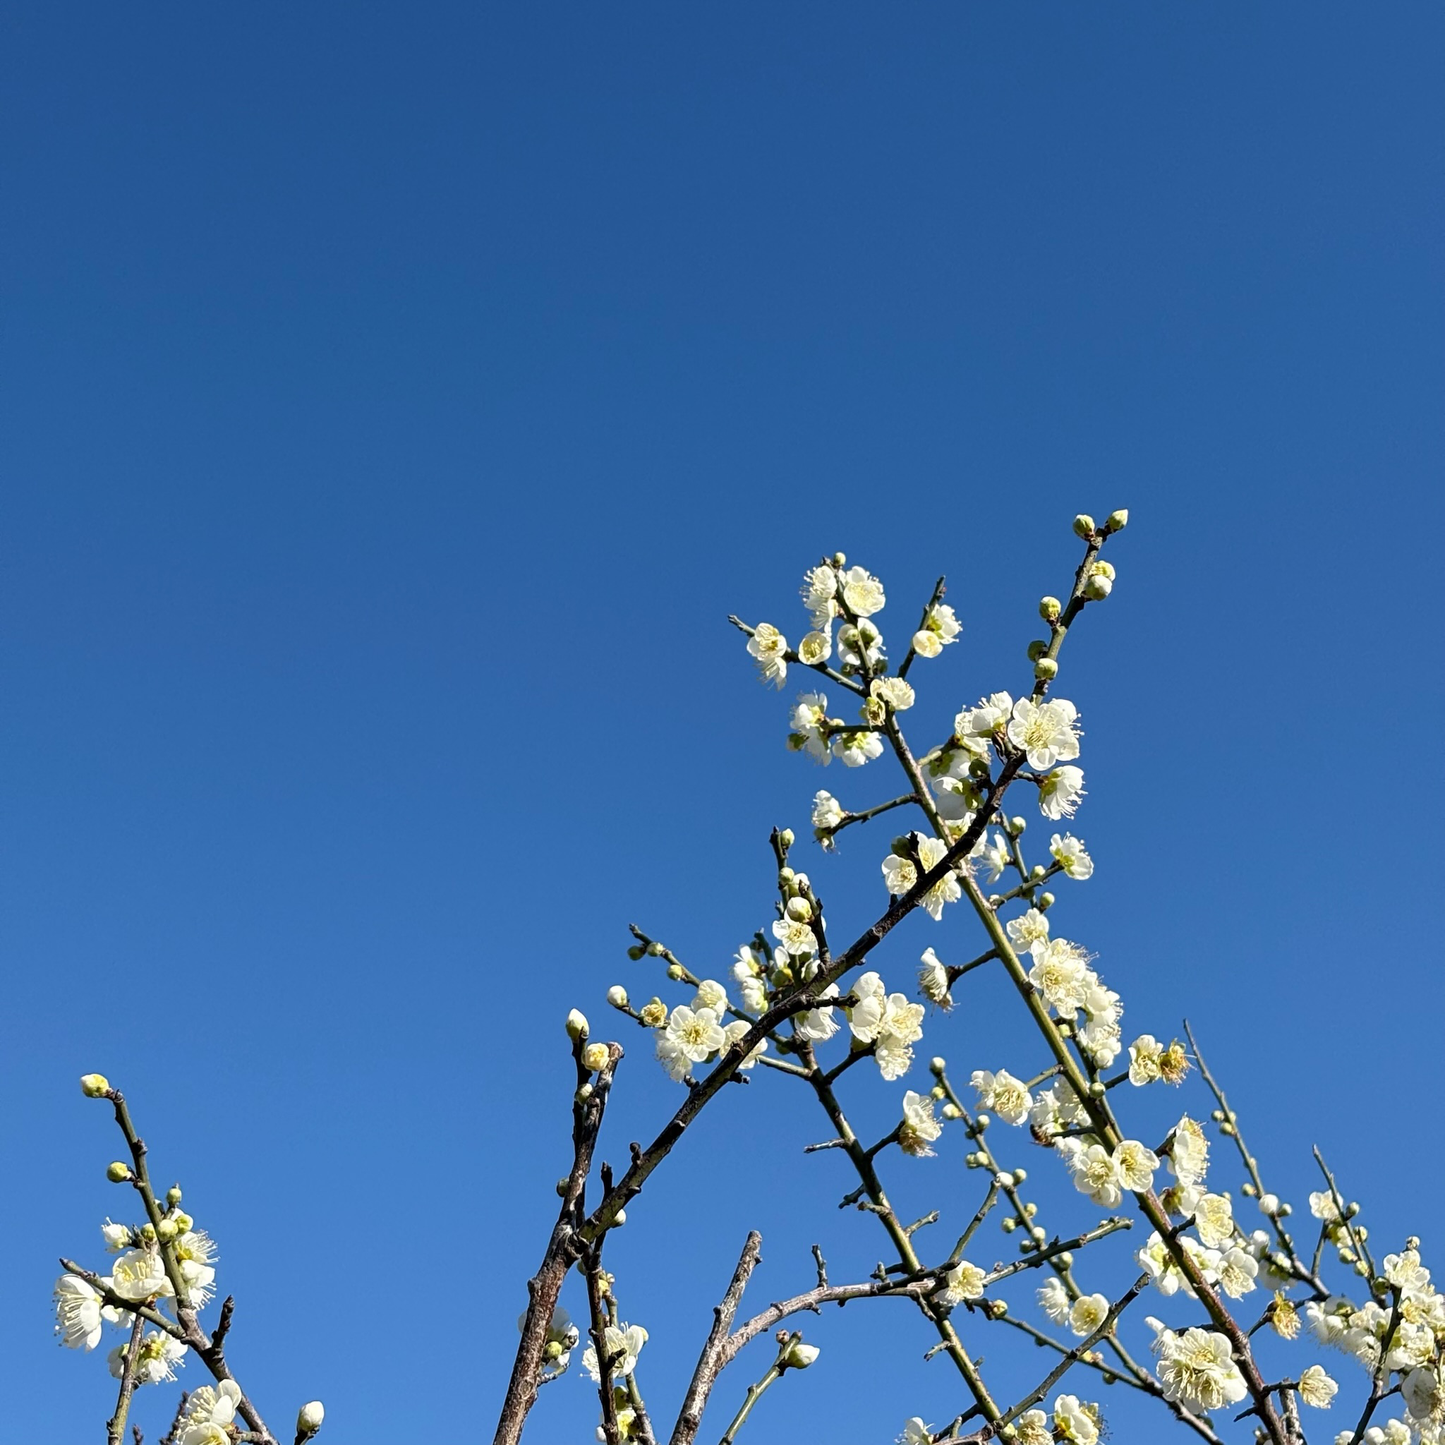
166,1230
785,876
1050,608
309,1418
799,910
1017,825
801,1356
1044,902
653,1013
173,1195
94,1086
675,972
1117,521
596,1057
636,952
619,1219
617,996
576,1024
1098,587
117,1172
1020,1175
1045,669
1036,649
937,1064
583,1094
148,1233
1083,525
785,838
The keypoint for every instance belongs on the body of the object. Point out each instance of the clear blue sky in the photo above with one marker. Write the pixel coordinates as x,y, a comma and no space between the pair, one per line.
396,400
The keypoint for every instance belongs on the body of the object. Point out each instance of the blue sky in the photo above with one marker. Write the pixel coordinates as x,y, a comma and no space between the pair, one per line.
396,401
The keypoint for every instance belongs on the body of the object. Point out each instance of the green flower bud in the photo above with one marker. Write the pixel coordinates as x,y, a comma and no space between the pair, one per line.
94,1086
937,1064
1098,587
675,972
785,838
1117,521
1083,525
1050,608
636,952
309,1418
183,1220
173,1195
117,1172
1036,649
166,1230
576,1024
801,1356
1046,669
1044,902
656,949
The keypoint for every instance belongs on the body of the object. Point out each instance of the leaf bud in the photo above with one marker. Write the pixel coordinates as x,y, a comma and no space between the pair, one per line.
1050,608
1083,525
1046,669
94,1086
596,1057
309,1418
117,1172
1117,521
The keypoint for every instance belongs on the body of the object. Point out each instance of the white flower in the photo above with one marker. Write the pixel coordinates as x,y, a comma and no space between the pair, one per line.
807,721
1055,1108
815,647
818,1025
1054,1300
894,691
1060,792
1061,973
116,1237
1087,1313
754,994
77,1313
1197,1371
1046,731
1406,1274
888,1021
1316,1388
862,592
980,723
138,1275
156,1362
711,994
733,1034
1237,1270
1422,1393
214,1404
820,589
1189,1152
204,1433
1025,931
854,749
1214,1219
1003,1095
769,647
901,874
1136,1165
1033,1428
827,811
1156,1260
1145,1054
964,1281
1323,1206
1070,854
996,856
1094,1170
940,627
796,936
915,1432
1076,1421
623,1344
933,980
919,1128
688,1038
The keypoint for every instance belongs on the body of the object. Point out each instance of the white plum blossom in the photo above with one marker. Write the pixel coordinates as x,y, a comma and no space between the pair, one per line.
1002,1094
1060,792
815,647
1028,929
1094,1169
77,1313
1055,1108
217,1404
919,1128
901,874
818,1025
1045,732
940,627
1214,1219
623,1343
1323,1206
138,1275
733,1034
915,1432
893,691
1069,853
1061,973
888,1021
933,980
688,1037
996,857
1087,1313
795,936
116,1236
1054,1300
1197,1369
979,724
820,592
156,1361
1189,1151
856,747
809,716
769,647
1076,1421
862,592
1033,1427
1136,1165
711,994
964,1281
1237,1270
828,813
1144,1056
1316,1388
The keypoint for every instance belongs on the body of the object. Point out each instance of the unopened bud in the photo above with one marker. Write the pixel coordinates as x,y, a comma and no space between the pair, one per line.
937,1064
675,972
94,1086
1096,1089
1050,608
636,952
1083,525
1010,1224
183,1220
309,1418
1046,669
117,1172
583,1094
1036,649
619,1219
596,1057
166,1230
1098,587
173,1194
656,949
1017,825
1044,902
148,1233
576,1024
785,838
617,996
801,1356
1117,521
1020,1175
799,910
